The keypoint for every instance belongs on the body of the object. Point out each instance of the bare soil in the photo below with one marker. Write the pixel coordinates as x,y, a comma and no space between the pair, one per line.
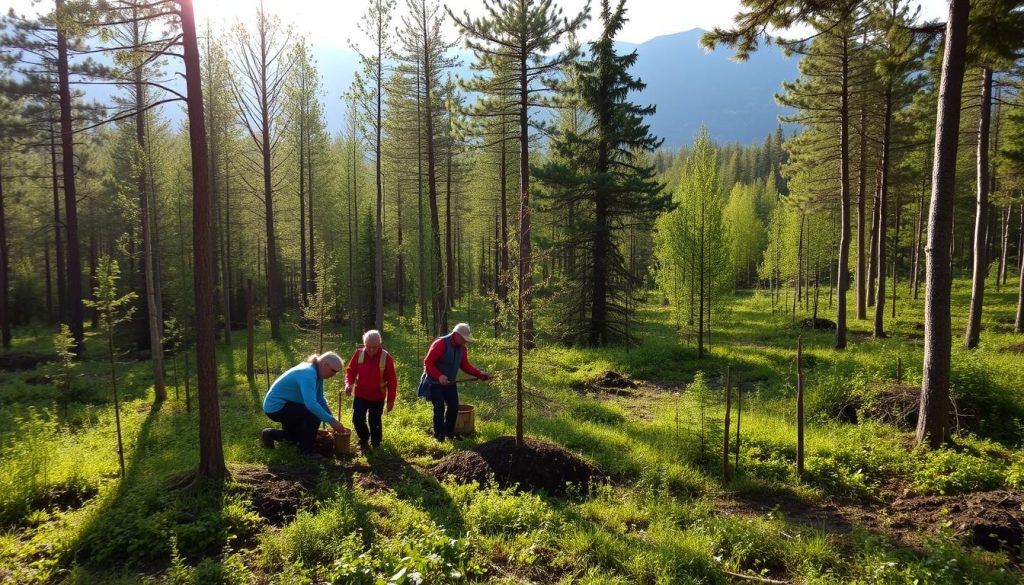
276,493
608,382
993,520
536,466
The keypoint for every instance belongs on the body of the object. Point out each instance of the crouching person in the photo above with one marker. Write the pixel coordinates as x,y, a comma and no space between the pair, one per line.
296,400
370,375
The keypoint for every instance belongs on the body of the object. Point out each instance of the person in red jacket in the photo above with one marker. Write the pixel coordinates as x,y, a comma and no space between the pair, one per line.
446,356
371,375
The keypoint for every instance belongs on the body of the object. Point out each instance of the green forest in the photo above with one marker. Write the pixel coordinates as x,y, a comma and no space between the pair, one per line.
795,361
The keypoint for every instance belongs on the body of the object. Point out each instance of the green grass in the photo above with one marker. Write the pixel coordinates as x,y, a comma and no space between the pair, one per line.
658,519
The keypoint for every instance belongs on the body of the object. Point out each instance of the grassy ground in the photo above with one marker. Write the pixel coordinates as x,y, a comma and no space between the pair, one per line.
663,515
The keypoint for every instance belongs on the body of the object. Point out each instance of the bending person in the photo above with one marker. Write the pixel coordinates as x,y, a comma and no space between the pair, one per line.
446,356
371,374
296,400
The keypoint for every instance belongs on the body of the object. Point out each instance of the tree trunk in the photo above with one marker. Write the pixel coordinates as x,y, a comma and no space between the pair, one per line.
449,253
250,334
303,274
1004,248
5,320
400,270
844,197
154,313
440,309
873,254
58,225
309,201
74,266
211,450
896,250
862,311
1018,323
883,203
972,335
932,422
378,239
918,230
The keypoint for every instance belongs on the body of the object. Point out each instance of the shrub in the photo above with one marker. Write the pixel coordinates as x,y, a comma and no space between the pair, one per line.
494,511
948,472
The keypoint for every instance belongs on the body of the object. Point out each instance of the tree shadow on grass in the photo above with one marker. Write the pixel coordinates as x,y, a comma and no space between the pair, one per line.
387,469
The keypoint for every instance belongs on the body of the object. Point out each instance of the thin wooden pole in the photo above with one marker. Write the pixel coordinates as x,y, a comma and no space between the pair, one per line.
725,434
799,409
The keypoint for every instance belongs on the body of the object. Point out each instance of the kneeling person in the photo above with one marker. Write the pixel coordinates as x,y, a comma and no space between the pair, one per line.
296,400
371,376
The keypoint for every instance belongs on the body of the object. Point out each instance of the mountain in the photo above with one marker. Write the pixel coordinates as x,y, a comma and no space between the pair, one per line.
689,86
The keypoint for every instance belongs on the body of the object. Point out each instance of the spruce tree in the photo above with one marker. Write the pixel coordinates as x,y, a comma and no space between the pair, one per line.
602,169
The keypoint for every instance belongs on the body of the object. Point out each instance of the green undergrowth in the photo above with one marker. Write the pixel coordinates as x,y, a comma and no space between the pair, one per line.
660,514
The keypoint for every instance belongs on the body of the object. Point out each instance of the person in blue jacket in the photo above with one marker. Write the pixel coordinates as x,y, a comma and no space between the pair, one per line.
296,400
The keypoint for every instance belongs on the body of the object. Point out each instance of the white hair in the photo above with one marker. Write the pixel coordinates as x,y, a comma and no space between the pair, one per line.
329,358
372,335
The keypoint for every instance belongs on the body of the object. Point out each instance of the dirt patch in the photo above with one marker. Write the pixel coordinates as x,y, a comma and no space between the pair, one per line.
1018,348
537,465
818,324
68,496
24,360
608,382
992,520
276,493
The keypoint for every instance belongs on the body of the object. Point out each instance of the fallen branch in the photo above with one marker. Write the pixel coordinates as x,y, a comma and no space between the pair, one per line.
755,578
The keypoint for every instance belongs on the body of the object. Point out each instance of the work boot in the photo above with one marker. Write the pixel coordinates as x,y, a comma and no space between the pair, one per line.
364,446
267,438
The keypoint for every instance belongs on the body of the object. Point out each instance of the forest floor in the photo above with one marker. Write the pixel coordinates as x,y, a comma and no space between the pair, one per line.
643,424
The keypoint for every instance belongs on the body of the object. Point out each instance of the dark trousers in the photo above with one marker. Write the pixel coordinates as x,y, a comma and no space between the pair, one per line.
372,409
444,419
298,425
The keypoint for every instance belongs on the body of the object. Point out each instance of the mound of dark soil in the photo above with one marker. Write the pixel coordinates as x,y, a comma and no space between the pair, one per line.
609,382
276,493
69,496
894,404
818,324
992,520
537,465
24,360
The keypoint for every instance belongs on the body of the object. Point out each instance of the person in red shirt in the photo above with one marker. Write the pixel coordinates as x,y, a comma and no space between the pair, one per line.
446,356
371,376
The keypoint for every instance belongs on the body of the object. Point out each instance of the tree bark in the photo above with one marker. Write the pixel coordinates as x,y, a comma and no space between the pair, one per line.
862,311
5,318
844,197
981,250
58,225
933,419
440,309
378,240
154,313
883,203
211,450
74,275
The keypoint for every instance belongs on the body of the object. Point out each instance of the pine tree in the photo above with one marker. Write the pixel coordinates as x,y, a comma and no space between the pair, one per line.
603,172
513,42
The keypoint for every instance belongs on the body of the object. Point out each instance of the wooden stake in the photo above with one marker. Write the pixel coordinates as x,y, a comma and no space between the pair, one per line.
266,364
799,409
899,370
725,434
739,412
